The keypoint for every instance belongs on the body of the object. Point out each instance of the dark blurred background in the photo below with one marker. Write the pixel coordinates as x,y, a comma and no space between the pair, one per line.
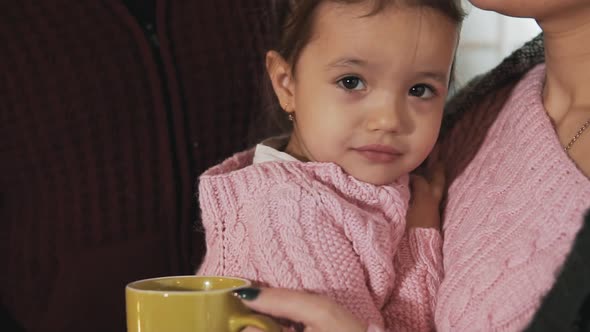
109,111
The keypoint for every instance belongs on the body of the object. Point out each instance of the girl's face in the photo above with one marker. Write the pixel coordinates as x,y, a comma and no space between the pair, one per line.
368,91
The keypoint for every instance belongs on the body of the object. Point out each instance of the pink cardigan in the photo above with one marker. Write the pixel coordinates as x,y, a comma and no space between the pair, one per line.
310,226
511,216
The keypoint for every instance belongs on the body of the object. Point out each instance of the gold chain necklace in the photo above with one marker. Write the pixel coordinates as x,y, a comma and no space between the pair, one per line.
577,136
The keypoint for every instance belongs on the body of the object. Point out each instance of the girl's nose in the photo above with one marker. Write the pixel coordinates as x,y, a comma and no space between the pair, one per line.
389,116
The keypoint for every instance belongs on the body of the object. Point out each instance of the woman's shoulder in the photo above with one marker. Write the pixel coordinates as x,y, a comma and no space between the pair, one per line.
474,109
495,85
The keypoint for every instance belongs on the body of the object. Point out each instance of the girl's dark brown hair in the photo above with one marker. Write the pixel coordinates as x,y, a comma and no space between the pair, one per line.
295,19
292,23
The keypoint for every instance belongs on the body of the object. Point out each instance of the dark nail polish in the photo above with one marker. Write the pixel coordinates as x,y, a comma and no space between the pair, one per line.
247,294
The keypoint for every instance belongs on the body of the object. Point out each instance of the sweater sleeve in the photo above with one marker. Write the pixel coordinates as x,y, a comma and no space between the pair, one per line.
418,264
300,241
212,264
308,239
213,225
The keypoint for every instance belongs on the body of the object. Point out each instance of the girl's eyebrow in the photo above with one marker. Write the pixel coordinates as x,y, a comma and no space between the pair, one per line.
347,62
434,75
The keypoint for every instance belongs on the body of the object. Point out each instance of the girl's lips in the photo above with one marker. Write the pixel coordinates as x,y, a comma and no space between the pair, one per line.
379,153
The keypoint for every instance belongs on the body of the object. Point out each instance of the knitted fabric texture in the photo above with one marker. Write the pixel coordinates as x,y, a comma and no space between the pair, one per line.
310,226
511,214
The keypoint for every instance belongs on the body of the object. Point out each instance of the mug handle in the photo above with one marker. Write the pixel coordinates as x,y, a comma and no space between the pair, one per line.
267,324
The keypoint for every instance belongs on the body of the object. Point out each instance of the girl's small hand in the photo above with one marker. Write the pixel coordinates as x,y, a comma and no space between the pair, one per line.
427,193
315,313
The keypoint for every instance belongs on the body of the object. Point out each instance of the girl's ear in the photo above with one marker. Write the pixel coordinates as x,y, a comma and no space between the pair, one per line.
281,77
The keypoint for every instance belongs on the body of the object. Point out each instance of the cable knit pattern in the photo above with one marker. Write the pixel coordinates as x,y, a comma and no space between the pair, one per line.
410,308
511,215
311,226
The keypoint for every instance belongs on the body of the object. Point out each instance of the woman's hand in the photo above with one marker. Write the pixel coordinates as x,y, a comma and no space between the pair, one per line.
427,193
315,313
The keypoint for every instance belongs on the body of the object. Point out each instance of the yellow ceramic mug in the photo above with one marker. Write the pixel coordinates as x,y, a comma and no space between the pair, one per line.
190,304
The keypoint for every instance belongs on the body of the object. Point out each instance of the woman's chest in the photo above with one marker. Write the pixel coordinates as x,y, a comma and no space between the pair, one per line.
509,223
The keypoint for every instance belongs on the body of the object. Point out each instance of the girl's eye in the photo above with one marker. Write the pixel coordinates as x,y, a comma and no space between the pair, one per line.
351,83
422,91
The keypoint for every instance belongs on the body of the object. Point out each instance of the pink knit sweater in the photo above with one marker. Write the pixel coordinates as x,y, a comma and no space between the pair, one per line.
511,215
310,226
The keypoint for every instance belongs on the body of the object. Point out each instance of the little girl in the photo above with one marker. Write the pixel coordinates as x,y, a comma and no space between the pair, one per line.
324,208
